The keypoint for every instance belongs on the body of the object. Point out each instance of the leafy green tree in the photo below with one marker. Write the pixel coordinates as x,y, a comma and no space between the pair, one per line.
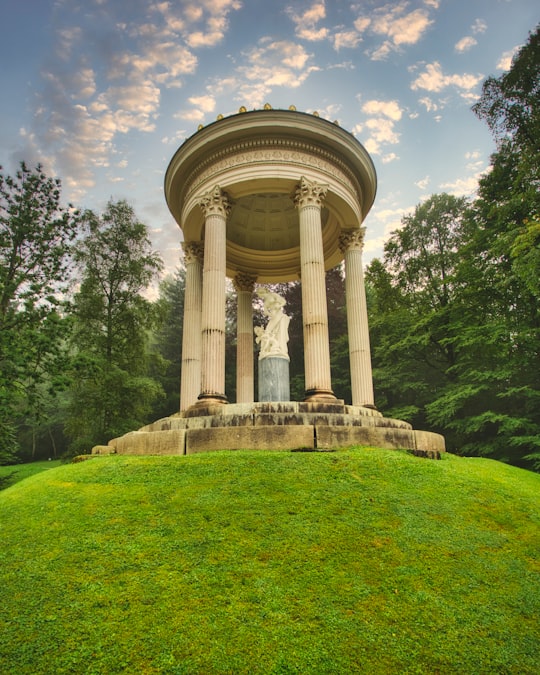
502,262
510,104
414,308
455,324
112,391
35,236
167,343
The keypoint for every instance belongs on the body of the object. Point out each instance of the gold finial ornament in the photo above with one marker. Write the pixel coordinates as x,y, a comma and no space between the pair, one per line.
201,126
242,109
219,117
267,106
315,113
292,107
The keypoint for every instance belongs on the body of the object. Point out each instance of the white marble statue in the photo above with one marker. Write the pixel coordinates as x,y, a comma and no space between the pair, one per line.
273,339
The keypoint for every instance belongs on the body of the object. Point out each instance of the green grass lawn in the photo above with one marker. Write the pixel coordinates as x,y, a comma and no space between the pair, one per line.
9,475
361,561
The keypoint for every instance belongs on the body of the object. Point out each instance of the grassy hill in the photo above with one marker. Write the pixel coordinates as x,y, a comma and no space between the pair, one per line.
361,561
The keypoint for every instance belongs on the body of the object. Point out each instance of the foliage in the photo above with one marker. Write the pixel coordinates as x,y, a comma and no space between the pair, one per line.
111,391
35,236
167,343
510,104
359,561
413,312
455,325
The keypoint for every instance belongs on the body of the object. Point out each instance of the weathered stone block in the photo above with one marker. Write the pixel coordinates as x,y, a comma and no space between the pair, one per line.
103,450
429,442
250,438
170,442
328,437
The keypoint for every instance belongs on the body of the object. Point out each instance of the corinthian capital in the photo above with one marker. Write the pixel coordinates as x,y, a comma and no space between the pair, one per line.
193,251
244,282
215,202
352,240
309,193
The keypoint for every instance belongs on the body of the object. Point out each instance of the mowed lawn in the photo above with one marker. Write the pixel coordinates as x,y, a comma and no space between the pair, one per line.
358,561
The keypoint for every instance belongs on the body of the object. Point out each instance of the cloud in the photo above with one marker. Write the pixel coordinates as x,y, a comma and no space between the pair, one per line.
205,103
462,186
467,185
428,104
331,111
434,80
389,109
397,25
380,126
185,20
381,130
401,28
106,76
362,23
479,26
307,27
505,61
273,64
465,44
422,183
474,161
347,39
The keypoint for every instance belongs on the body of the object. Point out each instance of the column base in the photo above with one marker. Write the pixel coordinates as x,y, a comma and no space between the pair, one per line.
206,405
211,399
320,395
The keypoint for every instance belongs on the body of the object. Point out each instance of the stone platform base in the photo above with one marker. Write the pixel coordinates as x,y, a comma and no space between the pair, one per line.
273,426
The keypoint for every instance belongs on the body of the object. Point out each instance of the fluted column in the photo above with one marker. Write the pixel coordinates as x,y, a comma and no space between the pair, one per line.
352,244
215,206
318,382
244,285
190,386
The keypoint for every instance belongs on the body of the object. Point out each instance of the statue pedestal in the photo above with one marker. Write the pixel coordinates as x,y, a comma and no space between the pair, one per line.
274,379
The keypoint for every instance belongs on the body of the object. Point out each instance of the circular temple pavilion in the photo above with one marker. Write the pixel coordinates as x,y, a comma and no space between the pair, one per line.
262,197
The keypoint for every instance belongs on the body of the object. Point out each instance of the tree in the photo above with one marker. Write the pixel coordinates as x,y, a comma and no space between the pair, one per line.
35,236
510,104
503,254
167,342
461,348
415,310
112,392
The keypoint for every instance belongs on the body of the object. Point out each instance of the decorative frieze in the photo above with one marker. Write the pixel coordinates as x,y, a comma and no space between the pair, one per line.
274,152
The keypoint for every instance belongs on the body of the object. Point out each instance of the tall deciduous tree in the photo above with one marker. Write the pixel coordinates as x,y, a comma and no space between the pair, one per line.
414,308
510,104
167,342
35,235
477,342
503,254
112,392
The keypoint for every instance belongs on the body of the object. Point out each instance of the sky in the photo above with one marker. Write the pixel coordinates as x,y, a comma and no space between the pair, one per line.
103,92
